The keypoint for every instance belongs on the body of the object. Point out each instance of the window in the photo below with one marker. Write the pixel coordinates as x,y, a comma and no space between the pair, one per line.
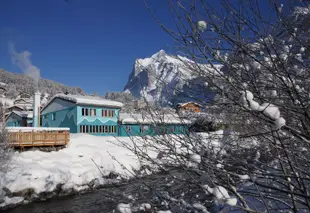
171,129
83,129
45,116
54,116
87,129
128,128
143,128
92,112
88,112
108,113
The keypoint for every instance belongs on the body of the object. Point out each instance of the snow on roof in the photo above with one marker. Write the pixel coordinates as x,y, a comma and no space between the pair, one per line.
126,118
21,106
191,102
23,101
87,100
30,129
15,105
22,114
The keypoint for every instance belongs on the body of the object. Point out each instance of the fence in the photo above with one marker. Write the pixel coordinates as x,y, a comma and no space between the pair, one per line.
35,138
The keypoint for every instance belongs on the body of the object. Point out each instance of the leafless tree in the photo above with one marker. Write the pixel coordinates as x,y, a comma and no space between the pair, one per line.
262,158
4,145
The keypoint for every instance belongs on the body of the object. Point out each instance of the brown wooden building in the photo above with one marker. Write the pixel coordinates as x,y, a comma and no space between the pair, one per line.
188,107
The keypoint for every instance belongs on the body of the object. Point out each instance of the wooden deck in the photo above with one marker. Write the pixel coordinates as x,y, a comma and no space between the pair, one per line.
20,139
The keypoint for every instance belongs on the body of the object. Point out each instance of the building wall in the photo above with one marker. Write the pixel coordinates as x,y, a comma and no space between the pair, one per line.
57,105
135,129
98,120
13,120
63,118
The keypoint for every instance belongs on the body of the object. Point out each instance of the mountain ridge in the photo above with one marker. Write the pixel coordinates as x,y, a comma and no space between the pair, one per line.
166,79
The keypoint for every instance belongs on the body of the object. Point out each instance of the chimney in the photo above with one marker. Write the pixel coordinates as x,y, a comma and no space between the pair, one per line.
36,109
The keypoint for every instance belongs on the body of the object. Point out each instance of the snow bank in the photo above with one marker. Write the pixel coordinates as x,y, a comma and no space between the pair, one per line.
68,170
221,195
11,201
124,208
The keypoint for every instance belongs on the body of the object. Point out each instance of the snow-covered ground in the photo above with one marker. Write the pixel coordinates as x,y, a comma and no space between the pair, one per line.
68,170
83,165
6,101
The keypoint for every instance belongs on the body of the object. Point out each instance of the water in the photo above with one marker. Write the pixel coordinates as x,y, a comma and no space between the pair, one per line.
103,200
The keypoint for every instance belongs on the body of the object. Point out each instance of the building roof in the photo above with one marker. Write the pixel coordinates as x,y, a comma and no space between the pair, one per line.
22,114
191,102
23,101
126,118
86,100
21,106
17,106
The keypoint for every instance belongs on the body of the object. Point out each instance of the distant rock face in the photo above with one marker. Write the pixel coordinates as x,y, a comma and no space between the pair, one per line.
166,80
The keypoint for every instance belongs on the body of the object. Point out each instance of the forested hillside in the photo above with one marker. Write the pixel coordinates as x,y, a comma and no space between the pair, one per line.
16,84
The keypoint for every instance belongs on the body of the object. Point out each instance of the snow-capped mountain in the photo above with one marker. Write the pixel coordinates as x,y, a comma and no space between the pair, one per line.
166,79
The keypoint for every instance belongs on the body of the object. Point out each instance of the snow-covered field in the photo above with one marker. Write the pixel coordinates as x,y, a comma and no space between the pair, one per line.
69,170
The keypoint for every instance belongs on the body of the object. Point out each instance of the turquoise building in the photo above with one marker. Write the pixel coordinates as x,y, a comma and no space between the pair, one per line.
93,115
82,114
138,125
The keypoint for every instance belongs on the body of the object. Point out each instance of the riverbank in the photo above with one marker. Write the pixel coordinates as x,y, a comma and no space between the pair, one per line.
87,163
109,197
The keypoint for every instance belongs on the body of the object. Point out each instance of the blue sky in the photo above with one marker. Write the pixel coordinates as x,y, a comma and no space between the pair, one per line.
91,44
87,43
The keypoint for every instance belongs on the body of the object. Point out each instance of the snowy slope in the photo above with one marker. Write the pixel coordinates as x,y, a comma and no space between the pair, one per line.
6,101
67,170
165,79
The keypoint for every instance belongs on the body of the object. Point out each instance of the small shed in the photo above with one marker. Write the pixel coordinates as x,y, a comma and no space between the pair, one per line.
19,119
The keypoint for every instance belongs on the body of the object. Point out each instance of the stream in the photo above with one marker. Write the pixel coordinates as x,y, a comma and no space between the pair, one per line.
107,198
